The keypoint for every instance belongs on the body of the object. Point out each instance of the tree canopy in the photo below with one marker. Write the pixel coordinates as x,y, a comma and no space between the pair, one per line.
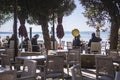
98,11
38,12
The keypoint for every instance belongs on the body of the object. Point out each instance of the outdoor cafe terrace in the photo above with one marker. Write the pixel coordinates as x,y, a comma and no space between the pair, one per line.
66,63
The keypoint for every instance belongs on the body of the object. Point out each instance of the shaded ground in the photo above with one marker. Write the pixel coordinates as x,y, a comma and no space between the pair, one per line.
88,74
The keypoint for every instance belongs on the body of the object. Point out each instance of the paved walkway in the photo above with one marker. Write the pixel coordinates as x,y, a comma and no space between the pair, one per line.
88,74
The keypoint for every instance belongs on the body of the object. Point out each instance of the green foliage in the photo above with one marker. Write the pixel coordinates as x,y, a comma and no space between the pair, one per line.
95,12
98,11
4,18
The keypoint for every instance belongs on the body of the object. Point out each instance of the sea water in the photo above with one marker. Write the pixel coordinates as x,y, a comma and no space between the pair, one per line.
84,35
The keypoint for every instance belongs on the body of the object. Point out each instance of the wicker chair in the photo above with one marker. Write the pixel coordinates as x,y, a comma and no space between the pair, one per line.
5,61
113,53
10,53
104,68
8,75
76,72
29,70
73,57
54,67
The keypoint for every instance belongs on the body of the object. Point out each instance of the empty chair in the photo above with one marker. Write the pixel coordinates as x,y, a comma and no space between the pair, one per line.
8,75
69,45
10,52
73,57
103,47
29,70
113,53
11,44
63,44
29,46
76,72
54,67
55,44
104,68
5,61
95,48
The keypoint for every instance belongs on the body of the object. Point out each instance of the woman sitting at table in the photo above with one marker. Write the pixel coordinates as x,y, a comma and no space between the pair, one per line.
77,42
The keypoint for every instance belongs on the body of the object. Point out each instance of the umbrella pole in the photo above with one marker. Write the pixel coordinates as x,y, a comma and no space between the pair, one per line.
53,33
60,42
30,33
21,43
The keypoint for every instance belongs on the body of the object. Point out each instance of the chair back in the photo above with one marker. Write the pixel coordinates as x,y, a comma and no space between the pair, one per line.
56,44
29,46
8,75
69,45
10,52
76,72
54,67
95,48
74,56
63,44
41,43
55,63
113,53
5,61
29,68
104,67
12,42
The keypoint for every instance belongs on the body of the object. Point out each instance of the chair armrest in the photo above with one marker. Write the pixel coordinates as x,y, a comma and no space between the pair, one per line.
74,66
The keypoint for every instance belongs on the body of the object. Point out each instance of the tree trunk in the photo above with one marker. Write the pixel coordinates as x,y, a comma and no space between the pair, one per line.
113,11
45,33
15,29
114,33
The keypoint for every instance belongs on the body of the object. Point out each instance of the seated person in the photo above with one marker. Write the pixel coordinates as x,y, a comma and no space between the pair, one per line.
77,42
25,44
35,47
93,39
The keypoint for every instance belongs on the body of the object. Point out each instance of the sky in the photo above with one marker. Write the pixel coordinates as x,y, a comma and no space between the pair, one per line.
75,20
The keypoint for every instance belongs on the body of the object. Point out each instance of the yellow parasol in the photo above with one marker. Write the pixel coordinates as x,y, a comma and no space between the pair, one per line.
75,32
